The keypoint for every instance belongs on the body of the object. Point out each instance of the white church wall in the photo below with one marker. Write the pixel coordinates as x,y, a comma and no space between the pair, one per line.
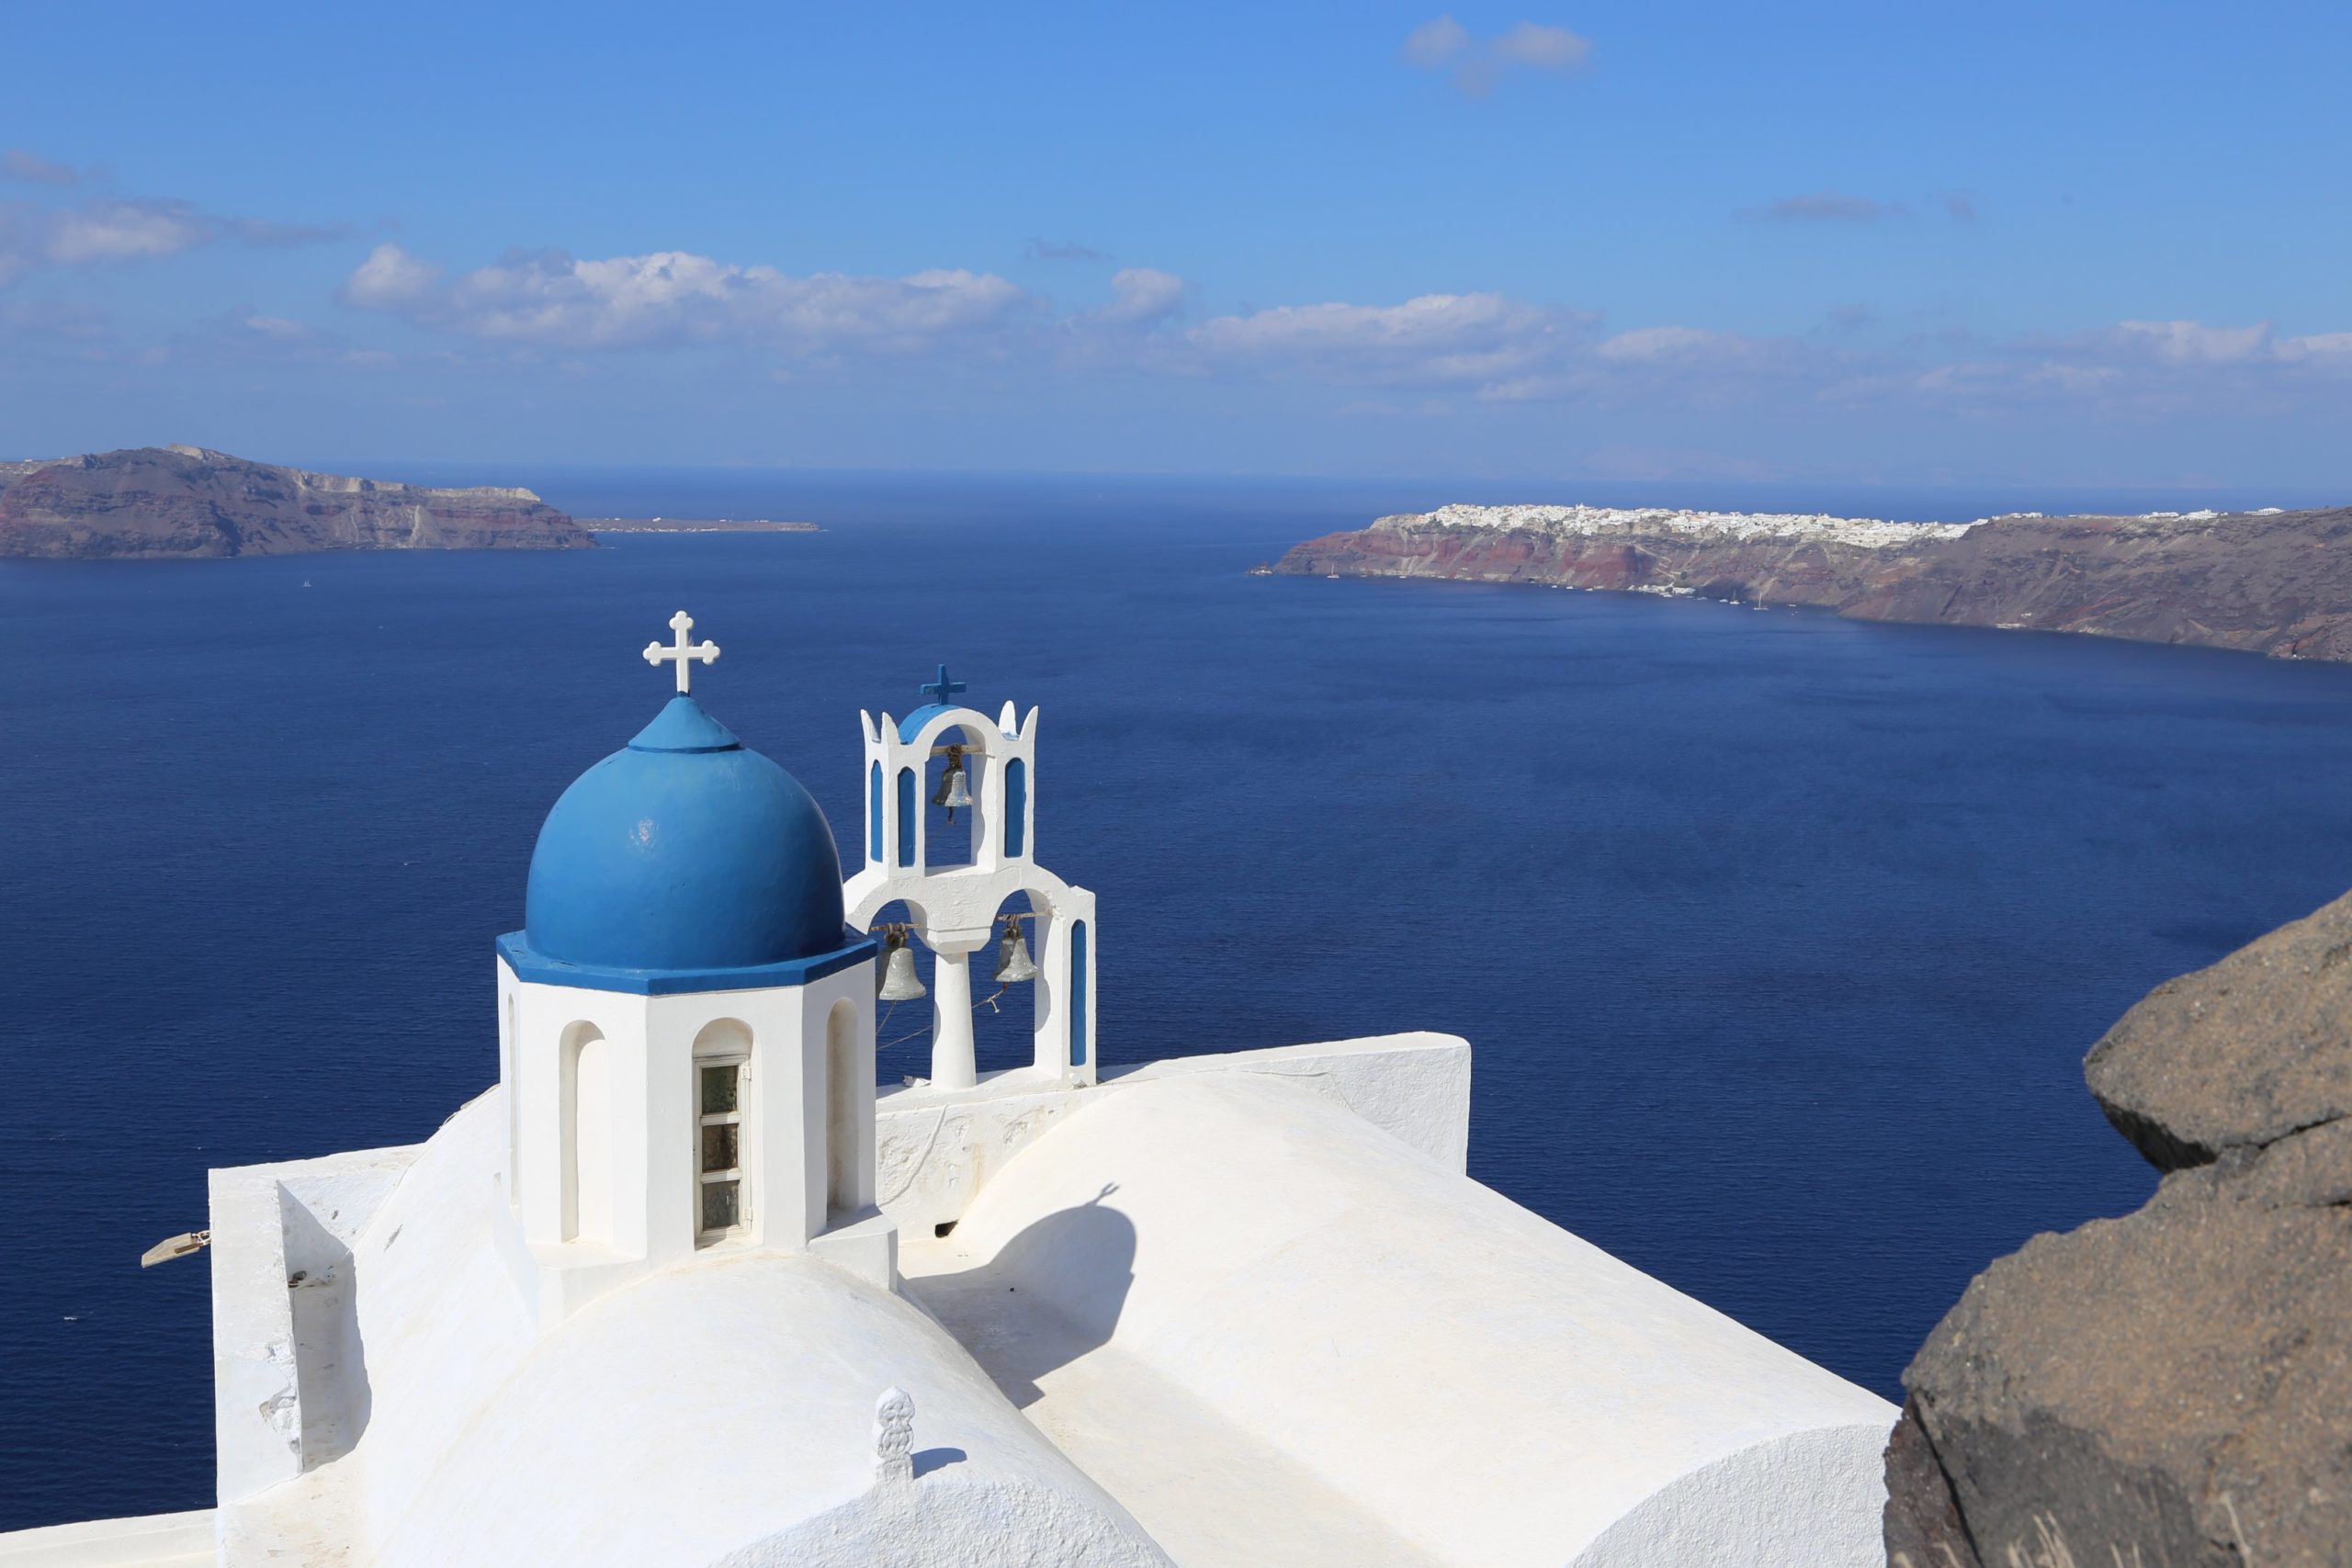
553,1025
147,1541
1499,1391
610,1157
439,1310
433,1309
330,1360
838,1029
848,1033
283,1378
1799,1501
936,1148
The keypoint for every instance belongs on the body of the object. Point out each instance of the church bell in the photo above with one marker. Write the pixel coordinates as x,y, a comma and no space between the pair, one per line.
953,791
899,981
1012,963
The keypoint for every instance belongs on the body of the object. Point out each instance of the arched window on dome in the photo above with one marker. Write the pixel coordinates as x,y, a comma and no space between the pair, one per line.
722,1138
587,1058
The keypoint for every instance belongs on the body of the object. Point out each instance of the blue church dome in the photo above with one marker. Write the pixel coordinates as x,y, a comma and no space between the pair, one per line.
679,862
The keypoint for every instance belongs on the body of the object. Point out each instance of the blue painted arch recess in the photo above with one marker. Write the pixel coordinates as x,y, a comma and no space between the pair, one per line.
906,817
1078,994
1016,808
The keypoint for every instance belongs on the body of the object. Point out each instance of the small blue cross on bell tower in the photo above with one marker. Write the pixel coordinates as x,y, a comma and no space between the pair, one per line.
939,690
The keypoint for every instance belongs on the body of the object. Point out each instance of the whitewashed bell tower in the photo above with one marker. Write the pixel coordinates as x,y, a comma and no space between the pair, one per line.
962,888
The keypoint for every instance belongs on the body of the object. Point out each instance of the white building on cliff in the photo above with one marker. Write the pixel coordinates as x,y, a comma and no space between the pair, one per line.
680,1288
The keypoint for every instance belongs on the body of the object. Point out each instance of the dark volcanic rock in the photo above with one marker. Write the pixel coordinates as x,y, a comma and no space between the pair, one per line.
185,501
2238,1056
2275,582
2173,1388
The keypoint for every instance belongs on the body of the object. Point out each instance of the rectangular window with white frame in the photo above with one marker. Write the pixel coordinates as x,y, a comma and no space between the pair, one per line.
723,1206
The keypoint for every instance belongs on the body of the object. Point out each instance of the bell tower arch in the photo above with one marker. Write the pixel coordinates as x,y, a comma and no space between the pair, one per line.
986,789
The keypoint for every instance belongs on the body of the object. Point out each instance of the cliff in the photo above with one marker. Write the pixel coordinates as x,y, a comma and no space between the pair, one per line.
2275,582
186,501
2171,1387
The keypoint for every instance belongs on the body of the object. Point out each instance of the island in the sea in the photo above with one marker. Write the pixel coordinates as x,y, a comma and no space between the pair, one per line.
2269,581
160,502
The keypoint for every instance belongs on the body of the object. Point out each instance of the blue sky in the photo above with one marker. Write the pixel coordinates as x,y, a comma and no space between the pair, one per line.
2062,244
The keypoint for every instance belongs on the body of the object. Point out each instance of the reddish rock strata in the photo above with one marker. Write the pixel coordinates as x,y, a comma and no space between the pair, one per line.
2279,583
183,501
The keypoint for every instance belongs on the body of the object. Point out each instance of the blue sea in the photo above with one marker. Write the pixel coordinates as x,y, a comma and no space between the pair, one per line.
1779,938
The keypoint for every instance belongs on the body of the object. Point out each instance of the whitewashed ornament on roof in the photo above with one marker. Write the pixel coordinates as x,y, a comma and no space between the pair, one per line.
683,653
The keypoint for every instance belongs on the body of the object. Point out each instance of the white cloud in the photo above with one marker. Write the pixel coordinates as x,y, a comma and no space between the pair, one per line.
1142,295
124,230
673,298
17,163
2196,345
1435,339
127,230
390,279
670,296
1486,346
1542,47
1475,67
2332,348
2192,342
1650,345
1433,43
1825,206
2144,368
279,329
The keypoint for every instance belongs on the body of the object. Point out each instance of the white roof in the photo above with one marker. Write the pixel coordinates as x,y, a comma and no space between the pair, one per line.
1416,1353
705,1410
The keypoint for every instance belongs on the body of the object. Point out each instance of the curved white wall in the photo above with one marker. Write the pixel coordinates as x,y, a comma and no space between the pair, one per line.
705,1409
724,1407
1498,1391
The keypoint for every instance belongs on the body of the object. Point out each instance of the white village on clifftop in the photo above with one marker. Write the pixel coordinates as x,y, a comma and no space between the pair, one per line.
681,1287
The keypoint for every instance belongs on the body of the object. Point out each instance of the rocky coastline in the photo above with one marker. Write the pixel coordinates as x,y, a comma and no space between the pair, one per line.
2173,1387
188,502
2273,582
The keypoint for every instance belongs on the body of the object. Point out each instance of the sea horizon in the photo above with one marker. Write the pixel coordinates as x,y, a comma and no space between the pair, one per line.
886,494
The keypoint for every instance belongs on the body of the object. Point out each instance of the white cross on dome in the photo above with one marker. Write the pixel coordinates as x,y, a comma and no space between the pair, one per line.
683,653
